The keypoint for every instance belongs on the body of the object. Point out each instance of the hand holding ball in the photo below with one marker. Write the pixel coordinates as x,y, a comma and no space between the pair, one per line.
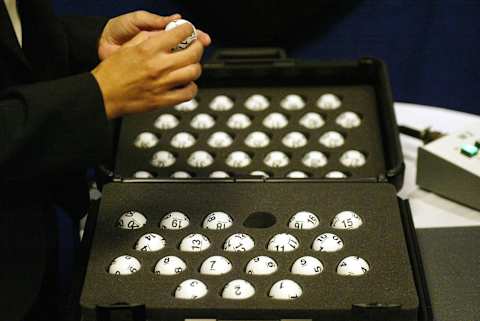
187,41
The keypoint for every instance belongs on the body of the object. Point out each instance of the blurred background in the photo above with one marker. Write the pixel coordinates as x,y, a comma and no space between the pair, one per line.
431,47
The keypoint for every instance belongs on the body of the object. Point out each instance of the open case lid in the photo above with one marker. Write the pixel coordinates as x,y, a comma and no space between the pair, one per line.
268,70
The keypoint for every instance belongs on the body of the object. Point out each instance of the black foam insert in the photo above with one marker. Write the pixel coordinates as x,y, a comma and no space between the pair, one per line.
360,99
380,240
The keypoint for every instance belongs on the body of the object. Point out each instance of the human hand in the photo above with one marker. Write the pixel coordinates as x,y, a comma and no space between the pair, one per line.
145,74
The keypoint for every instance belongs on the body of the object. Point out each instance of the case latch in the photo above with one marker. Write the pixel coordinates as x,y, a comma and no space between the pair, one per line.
248,56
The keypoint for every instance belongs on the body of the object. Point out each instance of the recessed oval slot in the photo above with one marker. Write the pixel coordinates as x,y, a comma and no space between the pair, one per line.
260,220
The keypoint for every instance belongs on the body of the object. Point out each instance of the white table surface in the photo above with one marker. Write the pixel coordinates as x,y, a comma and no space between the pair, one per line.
429,209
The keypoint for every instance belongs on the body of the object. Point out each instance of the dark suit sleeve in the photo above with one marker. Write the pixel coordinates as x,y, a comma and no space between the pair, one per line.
53,126
83,34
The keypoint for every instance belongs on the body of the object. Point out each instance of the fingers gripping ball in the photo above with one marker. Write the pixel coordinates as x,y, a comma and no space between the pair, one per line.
187,41
131,220
124,265
191,290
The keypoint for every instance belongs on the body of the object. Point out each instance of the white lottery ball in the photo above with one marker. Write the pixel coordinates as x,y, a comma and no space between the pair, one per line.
142,174
327,242
312,121
183,140
238,159
202,121
217,221
353,158
348,119
336,174
294,140
220,140
314,159
292,102
124,265
347,220
285,290
260,173
216,265
332,139
353,266
303,221
191,289
200,159
297,174
239,121
150,243
257,140
166,121
181,174
221,103
329,102
219,174
275,121
187,41
276,159
283,242
163,159
170,265
189,105
238,243
307,265
174,221
238,290
194,243
131,220
146,140
261,265
257,103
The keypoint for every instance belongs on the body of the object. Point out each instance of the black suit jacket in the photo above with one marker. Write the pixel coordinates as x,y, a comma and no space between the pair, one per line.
52,127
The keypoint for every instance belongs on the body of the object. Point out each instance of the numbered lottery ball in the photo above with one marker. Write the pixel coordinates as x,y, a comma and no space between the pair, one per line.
336,175
329,102
150,243
347,220
261,265
275,121
202,121
194,243
183,140
292,102
239,121
257,103
142,174
219,174
131,220
332,139
353,266
146,140
238,290
191,289
221,103
353,159
181,174
187,41
220,140
216,265
312,121
163,159
238,159
283,243
200,159
285,290
294,140
276,159
170,265
257,140
166,121
297,174
217,221
260,173
238,243
348,120
307,265
174,221
124,265
303,221
327,242
189,105
314,159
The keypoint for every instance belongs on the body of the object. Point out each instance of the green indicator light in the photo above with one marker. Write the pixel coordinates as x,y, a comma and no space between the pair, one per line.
469,150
